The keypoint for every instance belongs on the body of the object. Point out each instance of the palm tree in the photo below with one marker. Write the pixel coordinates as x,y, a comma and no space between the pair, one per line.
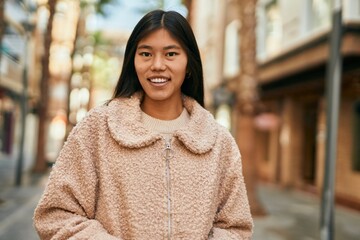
85,5
247,99
187,4
41,164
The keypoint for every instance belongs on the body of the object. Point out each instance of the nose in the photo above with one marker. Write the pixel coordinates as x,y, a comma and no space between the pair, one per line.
158,64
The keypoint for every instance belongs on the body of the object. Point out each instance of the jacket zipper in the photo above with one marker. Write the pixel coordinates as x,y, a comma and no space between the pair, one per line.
168,180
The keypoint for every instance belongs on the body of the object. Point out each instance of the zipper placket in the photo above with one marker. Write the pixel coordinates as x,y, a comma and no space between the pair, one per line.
168,181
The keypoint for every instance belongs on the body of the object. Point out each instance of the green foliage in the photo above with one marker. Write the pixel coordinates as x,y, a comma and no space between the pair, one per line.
99,5
105,71
99,39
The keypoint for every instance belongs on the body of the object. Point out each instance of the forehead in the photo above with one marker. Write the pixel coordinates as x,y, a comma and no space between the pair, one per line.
159,37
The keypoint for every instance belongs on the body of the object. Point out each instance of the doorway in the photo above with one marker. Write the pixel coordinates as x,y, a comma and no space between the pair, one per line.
310,118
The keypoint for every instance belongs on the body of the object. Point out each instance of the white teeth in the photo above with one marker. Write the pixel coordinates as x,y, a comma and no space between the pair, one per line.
158,80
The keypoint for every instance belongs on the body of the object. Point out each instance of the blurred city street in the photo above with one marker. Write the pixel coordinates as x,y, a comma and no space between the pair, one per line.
282,76
292,215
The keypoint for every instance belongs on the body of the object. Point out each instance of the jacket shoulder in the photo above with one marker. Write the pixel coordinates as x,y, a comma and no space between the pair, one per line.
93,120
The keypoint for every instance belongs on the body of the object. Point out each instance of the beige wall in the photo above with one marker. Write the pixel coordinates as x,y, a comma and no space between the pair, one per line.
347,180
321,145
290,143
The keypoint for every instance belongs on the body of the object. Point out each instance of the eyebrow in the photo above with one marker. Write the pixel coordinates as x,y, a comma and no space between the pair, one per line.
144,46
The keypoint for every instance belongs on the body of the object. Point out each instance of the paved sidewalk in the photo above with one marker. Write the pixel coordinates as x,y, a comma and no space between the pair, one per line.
16,214
295,215
17,206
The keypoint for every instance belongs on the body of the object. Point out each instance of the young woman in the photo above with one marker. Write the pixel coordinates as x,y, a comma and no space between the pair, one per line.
152,163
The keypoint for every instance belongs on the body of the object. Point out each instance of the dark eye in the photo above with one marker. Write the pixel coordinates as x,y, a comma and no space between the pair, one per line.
171,54
145,54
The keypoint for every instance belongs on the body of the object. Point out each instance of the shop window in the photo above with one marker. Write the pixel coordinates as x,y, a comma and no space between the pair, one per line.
223,115
356,137
320,13
56,135
232,52
273,27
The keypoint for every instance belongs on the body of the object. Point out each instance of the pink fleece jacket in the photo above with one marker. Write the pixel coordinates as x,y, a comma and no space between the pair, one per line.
114,179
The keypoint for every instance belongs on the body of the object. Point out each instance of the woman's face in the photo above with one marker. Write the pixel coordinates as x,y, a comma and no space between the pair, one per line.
160,64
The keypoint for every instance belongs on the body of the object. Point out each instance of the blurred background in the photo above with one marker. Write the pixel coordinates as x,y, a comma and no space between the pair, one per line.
267,79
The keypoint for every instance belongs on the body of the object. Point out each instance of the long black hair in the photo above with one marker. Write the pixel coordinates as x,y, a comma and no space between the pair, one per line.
179,28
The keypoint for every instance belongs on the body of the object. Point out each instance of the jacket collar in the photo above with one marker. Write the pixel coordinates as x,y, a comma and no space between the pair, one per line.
124,122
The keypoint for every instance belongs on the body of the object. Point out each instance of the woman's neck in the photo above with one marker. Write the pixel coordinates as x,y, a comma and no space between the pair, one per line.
163,110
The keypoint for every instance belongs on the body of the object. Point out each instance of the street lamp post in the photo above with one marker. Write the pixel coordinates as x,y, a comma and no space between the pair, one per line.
24,110
333,89
28,27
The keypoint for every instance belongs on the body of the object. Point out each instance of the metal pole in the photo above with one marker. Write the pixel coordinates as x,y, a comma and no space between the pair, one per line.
333,89
24,108
23,103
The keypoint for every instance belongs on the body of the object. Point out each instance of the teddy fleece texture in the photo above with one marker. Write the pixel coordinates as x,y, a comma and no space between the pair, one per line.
110,180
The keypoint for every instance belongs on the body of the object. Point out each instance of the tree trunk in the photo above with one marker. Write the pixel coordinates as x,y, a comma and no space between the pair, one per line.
187,4
41,161
246,101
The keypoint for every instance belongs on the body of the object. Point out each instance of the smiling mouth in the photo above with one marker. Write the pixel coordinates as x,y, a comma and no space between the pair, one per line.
158,80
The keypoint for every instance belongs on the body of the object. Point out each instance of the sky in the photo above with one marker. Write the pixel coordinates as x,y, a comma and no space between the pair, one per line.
124,14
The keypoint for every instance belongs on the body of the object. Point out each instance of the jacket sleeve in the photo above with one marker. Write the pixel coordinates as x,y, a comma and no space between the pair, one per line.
233,219
67,207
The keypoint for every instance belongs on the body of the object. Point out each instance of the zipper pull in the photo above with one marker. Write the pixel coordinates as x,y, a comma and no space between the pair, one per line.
168,152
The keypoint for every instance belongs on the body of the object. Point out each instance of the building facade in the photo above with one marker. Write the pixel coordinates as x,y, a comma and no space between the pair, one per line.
18,87
293,53
292,46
